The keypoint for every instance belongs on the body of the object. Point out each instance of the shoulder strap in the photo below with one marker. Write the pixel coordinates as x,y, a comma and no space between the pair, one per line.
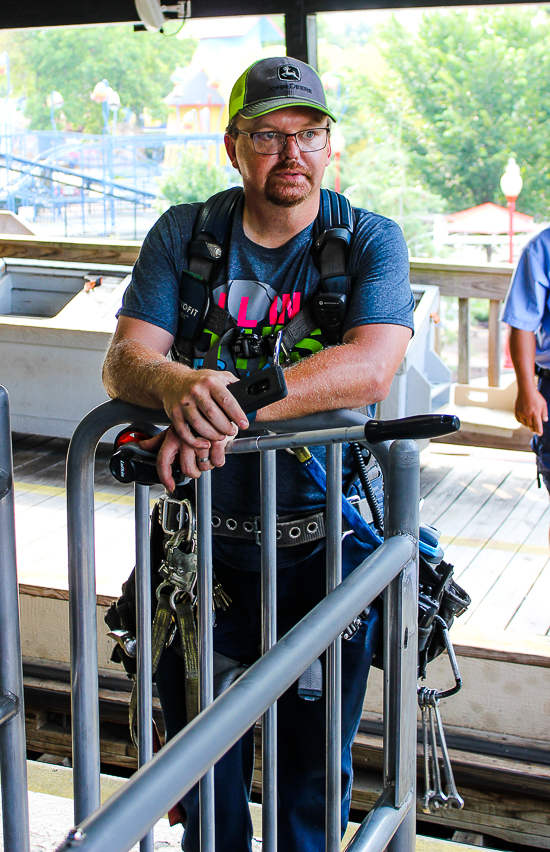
332,236
207,249
211,231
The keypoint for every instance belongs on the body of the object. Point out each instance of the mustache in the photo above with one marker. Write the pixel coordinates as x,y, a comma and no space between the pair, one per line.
290,165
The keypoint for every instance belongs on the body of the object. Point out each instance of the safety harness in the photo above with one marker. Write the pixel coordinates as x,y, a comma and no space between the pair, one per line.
204,326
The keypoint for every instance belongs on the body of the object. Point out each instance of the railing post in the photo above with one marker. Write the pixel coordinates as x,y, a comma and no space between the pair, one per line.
463,341
268,486
144,652
206,659
333,783
13,755
494,343
401,640
82,595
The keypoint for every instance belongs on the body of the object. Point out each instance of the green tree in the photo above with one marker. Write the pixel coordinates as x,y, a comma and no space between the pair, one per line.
72,60
193,178
471,89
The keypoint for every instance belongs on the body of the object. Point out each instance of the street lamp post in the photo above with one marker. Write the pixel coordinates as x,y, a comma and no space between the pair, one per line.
511,184
337,144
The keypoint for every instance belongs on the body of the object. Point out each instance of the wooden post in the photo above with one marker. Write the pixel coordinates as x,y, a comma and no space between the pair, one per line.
464,341
494,343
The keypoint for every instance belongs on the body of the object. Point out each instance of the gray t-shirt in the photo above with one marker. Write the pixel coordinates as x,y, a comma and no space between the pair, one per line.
263,288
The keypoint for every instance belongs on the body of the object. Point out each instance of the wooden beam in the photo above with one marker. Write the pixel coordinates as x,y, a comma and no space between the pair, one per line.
75,251
479,282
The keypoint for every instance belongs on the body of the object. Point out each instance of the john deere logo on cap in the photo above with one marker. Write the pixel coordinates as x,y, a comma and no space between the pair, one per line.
289,72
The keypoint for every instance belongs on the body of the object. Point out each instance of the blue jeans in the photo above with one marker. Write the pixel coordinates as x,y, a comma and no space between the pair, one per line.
301,724
540,444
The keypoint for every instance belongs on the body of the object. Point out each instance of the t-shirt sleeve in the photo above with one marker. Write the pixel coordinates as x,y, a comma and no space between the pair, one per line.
153,292
526,300
379,265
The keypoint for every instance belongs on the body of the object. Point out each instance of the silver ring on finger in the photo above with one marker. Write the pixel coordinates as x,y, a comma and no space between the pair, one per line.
203,461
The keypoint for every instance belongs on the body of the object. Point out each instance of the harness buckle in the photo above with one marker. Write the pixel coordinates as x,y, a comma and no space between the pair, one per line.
181,513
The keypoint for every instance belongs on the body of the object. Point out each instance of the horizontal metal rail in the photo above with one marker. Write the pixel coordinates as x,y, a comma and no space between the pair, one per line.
162,782
13,754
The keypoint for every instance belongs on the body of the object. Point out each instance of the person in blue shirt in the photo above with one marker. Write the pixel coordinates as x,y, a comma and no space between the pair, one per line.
278,139
527,312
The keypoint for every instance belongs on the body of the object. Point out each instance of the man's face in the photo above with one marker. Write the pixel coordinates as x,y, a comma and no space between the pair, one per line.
286,179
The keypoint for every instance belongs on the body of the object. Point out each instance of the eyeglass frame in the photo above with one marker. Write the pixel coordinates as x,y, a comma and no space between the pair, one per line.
287,136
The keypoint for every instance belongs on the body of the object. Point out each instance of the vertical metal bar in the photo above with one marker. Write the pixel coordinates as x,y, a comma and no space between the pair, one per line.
464,341
333,788
268,486
144,655
83,623
206,666
494,343
401,640
13,756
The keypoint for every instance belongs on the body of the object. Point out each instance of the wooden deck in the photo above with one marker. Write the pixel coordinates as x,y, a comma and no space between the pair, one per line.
493,518
494,522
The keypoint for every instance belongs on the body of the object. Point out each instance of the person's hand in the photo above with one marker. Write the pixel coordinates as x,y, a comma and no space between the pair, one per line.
531,410
170,447
202,409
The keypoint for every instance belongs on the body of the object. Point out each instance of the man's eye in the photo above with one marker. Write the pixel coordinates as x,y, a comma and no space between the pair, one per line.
309,134
268,136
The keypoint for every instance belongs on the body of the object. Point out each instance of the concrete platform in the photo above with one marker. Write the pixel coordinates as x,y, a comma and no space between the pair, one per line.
51,815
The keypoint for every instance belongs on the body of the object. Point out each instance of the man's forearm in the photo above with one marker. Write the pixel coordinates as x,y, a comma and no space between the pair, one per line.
347,376
140,374
522,352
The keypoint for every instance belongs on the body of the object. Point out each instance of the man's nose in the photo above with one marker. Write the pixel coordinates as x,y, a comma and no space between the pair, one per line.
291,147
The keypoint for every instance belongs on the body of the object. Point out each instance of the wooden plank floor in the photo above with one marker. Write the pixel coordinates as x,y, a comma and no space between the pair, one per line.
493,519
494,522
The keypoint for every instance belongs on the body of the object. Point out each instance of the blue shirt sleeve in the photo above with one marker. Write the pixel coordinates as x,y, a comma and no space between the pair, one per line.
526,302
379,265
153,293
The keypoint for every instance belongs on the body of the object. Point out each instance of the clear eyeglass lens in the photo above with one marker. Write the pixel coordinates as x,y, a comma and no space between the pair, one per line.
273,143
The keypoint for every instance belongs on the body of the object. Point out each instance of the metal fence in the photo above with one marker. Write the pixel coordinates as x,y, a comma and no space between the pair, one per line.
13,757
130,814
77,184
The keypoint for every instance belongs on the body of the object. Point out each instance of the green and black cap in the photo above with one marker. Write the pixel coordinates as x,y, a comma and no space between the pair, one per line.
274,83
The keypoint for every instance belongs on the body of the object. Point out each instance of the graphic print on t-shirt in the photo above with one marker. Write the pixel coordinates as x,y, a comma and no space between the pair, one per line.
256,307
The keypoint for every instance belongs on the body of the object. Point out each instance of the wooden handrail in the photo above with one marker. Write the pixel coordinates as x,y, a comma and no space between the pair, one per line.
74,251
487,281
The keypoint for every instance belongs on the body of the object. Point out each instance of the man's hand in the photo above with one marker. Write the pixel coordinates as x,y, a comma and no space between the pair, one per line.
192,461
531,409
201,406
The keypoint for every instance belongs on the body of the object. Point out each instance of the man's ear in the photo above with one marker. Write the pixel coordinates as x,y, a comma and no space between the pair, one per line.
329,150
230,148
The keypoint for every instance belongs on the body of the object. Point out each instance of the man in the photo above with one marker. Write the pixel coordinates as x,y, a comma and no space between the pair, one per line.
278,139
527,312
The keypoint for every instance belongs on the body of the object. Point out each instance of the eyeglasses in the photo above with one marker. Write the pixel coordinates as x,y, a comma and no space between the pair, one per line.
269,142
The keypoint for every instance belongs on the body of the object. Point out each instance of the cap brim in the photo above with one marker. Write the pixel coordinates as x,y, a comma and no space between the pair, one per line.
264,107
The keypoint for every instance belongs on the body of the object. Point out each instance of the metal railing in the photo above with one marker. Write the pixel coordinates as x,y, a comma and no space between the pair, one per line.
189,757
13,755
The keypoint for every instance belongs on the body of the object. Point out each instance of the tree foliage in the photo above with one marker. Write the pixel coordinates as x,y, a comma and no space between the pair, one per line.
72,60
471,89
193,178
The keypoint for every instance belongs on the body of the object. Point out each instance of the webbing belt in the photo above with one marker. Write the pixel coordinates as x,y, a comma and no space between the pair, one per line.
162,623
